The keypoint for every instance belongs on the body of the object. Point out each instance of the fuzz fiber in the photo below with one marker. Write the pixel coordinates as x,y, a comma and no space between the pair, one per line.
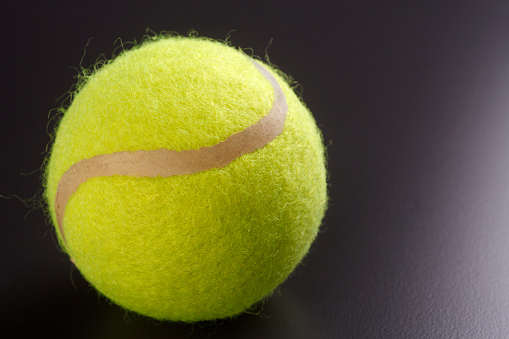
188,247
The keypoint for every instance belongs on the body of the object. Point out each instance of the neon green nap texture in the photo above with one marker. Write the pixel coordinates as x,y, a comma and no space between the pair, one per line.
191,247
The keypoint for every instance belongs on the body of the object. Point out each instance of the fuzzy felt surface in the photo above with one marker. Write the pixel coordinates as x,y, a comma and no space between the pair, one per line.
189,247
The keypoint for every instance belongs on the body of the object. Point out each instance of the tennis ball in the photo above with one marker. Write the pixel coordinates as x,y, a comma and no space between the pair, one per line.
186,180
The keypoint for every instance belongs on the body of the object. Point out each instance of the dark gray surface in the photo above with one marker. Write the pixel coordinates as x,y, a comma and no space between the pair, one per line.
412,98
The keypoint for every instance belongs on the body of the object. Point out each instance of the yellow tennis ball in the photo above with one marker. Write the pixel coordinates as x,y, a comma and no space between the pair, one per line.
186,180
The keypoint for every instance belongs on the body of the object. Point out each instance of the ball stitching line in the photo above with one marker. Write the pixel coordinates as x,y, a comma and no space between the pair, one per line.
165,162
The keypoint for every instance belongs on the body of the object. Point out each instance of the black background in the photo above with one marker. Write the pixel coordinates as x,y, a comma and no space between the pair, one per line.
412,98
